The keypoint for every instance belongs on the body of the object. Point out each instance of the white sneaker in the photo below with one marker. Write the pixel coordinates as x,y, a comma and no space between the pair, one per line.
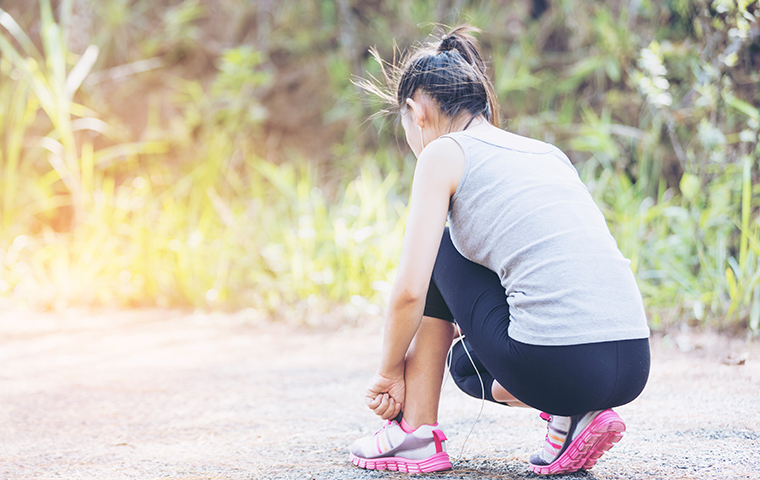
576,443
391,448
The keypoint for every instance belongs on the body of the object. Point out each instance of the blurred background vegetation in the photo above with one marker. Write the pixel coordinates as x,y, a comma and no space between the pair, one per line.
215,154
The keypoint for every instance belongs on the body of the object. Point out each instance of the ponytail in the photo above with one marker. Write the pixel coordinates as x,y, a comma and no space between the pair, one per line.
461,41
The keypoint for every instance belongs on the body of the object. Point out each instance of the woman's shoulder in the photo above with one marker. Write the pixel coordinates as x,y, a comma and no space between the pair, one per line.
444,148
443,159
502,139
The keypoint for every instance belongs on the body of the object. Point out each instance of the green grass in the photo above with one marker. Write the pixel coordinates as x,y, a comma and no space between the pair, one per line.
187,212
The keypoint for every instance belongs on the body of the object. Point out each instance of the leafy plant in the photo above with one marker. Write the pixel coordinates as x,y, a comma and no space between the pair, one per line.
183,202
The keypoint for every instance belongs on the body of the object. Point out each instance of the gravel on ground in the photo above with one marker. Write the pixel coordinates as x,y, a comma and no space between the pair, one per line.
171,395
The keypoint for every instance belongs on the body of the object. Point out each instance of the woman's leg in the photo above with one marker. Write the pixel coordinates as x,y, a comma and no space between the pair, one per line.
560,380
425,365
501,395
471,376
576,384
473,295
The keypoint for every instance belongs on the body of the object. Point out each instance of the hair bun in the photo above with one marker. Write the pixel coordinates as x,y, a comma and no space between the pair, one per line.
461,41
449,43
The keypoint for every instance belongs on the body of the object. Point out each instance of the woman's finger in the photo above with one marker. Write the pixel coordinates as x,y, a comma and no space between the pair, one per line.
389,406
373,401
383,406
392,412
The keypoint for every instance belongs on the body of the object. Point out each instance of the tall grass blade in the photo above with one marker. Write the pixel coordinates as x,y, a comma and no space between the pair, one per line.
18,33
27,69
80,71
746,208
754,315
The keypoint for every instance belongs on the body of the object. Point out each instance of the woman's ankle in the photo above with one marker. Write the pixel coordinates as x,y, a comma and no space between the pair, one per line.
410,427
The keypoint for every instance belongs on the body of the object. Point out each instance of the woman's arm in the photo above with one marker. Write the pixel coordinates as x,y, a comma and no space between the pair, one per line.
436,175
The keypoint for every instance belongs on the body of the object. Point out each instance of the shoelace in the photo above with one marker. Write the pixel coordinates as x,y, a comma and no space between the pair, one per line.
548,418
554,442
383,427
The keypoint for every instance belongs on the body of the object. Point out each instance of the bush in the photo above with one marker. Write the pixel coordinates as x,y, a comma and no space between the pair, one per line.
217,155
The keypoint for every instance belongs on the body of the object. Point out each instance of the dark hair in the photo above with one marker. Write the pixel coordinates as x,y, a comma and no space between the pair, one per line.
452,72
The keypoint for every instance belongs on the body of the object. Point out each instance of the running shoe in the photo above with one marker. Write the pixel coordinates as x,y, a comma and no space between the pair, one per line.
576,443
391,448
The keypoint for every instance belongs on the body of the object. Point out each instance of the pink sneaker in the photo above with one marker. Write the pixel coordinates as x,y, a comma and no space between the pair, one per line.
586,438
391,448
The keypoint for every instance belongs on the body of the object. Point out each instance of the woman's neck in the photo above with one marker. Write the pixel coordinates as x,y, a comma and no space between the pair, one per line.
468,123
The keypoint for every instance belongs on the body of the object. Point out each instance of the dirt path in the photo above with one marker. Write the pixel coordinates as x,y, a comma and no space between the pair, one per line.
165,395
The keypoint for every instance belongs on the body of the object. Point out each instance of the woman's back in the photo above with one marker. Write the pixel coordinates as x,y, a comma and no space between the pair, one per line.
521,210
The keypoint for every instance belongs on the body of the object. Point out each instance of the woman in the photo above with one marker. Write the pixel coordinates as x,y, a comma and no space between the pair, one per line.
527,269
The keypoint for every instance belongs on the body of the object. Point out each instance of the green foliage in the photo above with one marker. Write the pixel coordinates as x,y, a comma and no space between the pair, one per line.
164,179
662,123
224,228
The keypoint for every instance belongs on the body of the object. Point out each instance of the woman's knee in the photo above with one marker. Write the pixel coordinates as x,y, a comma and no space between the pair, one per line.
468,372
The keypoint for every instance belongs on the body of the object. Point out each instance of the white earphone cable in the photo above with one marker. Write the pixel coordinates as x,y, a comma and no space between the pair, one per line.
482,386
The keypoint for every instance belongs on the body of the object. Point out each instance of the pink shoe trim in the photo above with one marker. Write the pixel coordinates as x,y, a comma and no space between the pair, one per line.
436,463
598,437
439,438
554,445
405,426
408,428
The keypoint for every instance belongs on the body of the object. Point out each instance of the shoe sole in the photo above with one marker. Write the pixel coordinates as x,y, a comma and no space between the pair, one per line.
582,454
436,463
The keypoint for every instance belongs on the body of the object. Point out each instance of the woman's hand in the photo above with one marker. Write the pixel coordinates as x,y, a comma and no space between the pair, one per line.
385,395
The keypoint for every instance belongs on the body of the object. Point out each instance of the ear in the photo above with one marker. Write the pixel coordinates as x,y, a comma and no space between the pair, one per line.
419,110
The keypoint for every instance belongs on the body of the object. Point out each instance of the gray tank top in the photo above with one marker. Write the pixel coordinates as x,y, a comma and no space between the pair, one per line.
521,210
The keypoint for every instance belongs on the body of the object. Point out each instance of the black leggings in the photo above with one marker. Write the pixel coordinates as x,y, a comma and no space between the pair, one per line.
559,380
